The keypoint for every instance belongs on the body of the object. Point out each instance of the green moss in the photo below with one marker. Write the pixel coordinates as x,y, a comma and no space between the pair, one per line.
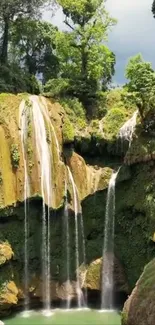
113,121
93,275
1,178
68,131
124,317
15,155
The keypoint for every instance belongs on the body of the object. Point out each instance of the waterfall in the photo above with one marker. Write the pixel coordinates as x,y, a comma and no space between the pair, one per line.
80,298
67,247
127,130
46,115
23,123
44,156
85,302
108,250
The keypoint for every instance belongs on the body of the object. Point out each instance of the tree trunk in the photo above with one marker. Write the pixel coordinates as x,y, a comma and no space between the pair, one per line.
4,50
84,62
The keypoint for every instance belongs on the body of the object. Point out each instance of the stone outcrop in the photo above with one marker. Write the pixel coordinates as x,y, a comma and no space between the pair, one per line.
140,306
6,253
91,157
94,275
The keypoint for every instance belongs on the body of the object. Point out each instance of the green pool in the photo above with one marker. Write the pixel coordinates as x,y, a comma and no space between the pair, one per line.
62,317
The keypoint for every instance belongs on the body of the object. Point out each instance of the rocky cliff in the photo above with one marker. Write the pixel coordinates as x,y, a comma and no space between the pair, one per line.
92,151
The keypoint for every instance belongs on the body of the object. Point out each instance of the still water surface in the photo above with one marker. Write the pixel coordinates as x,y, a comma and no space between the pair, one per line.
62,317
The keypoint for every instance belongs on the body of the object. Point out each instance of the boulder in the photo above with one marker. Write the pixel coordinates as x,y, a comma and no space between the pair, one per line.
139,309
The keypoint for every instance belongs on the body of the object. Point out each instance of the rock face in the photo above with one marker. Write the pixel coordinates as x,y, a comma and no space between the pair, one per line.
91,155
94,274
140,306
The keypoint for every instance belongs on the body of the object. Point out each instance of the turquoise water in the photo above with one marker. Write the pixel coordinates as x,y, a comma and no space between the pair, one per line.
62,317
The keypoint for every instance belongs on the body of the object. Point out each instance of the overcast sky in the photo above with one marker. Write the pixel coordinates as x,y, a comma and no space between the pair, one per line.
134,33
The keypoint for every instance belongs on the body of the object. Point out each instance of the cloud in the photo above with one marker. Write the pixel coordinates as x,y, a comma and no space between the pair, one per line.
133,33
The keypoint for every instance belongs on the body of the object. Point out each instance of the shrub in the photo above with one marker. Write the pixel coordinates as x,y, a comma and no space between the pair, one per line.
15,156
68,131
113,121
75,111
113,97
56,87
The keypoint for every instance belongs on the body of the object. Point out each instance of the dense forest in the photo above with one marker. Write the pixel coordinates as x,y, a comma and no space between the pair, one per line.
76,63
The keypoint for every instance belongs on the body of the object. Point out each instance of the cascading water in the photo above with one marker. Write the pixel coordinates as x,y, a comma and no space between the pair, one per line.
127,130
46,115
108,250
44,153
67,247
76,206
23,122
84,299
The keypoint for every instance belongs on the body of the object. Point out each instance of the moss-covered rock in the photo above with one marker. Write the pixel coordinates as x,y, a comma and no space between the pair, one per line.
93,276
140,306
6,252
142,148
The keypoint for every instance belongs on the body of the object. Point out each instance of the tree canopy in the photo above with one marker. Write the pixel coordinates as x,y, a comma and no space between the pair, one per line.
153,8
76,62
10,10
33,45
84,54
142,82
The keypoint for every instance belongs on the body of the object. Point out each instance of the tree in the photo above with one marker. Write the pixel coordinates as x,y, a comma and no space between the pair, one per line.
141,82
33,46
84,56
10,10
153,8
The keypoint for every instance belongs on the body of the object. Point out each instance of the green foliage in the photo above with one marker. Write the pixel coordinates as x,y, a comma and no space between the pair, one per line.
112,122
68,131
142,83
75,112
10,10
32,43
56,87
14,80
15,156
100,109
83,56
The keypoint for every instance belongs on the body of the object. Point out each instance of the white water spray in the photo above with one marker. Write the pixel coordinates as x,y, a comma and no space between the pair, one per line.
44,153
23,123
108,250
68,284
75,200
46,115
127,130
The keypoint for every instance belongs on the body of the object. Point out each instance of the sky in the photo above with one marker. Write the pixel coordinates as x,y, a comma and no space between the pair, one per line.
134,32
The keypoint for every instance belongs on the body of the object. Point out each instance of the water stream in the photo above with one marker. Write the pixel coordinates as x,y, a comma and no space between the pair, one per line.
67,247
44,157
127,130
108,250
46,115
80,298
